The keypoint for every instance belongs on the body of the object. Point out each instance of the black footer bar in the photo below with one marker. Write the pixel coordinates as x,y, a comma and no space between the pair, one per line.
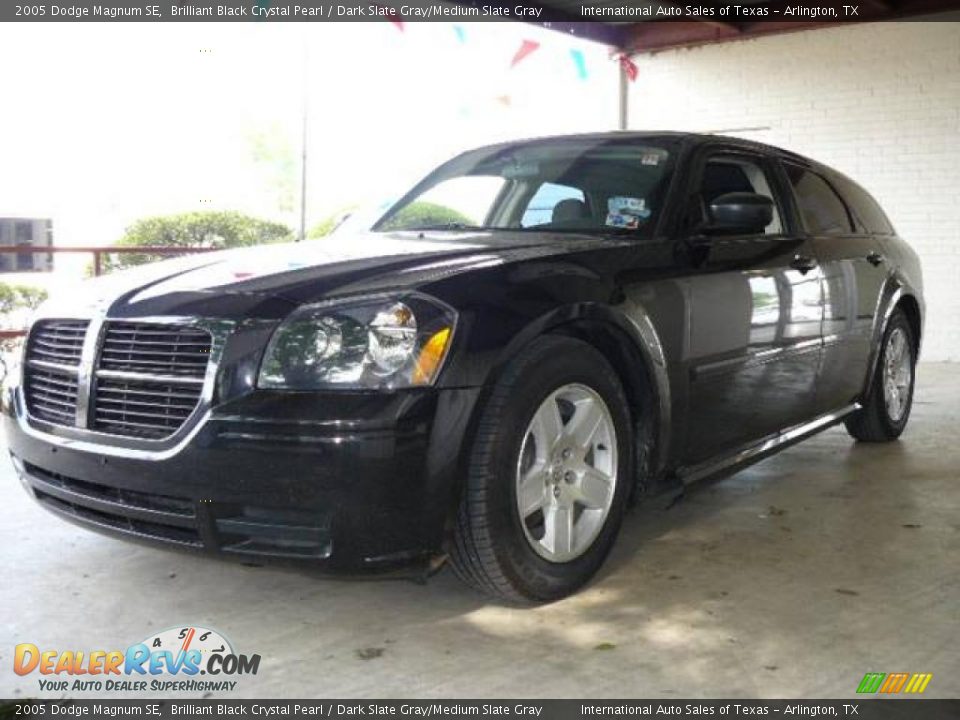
866,708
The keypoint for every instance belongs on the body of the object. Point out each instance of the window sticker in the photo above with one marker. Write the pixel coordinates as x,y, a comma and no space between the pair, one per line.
620,220
650,158
629,205
626,212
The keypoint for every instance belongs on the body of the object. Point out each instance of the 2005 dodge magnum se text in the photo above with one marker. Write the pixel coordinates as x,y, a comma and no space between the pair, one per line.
538,334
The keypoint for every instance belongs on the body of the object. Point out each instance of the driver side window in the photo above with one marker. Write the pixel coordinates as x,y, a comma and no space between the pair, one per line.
728,173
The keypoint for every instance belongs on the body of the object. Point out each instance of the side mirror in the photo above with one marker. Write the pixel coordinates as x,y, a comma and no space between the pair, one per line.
739,212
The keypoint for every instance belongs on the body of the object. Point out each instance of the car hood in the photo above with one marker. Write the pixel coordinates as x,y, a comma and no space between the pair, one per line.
295,273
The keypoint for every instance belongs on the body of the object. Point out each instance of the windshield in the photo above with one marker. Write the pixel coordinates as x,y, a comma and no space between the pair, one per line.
583,185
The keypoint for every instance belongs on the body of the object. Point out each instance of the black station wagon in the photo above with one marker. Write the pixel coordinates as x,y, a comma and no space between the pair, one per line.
534,337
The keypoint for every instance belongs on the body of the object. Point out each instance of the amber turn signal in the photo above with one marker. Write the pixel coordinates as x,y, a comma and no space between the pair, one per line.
431,356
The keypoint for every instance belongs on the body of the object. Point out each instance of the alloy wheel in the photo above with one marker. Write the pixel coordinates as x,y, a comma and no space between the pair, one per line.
567,473
897,375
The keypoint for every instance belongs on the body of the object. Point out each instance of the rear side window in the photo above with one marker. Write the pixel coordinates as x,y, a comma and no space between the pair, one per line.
822,210
867,212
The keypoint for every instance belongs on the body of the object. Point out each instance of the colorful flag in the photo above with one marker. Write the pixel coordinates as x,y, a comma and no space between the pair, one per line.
581,62
526,48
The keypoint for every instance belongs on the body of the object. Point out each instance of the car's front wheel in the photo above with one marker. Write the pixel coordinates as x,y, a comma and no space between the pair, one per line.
886,406
549,474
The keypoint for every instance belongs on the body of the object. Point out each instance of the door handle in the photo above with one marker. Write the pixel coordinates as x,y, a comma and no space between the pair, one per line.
803,263
874,258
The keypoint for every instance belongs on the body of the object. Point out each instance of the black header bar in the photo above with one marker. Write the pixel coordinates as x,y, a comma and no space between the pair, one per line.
865,708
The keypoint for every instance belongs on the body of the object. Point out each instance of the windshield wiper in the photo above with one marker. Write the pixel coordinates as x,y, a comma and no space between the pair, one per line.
446,226
602,231
618,231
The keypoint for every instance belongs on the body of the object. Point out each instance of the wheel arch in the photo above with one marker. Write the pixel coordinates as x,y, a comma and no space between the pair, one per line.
896,296
629,341
911,308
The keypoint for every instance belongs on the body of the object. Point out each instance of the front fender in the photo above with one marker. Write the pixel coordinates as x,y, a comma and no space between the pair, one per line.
642,363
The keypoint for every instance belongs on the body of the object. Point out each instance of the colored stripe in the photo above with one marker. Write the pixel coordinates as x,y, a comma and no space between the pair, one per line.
901,681
927,677
893,683
871,682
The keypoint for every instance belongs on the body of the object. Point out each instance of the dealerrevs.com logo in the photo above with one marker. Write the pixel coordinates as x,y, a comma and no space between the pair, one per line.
169,661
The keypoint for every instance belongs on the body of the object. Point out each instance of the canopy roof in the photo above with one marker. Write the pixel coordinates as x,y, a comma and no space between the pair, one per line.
636,33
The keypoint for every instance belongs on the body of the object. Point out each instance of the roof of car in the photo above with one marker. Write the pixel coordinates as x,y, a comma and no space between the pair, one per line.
689,137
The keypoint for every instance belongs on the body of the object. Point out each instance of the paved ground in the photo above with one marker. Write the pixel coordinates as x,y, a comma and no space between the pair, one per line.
792,578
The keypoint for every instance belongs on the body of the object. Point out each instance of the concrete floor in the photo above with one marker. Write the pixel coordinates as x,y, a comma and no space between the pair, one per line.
790,579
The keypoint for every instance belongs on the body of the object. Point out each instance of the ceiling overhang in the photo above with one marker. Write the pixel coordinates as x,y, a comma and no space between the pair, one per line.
572,17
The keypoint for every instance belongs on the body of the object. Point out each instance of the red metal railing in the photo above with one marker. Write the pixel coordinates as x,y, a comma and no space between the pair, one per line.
98,252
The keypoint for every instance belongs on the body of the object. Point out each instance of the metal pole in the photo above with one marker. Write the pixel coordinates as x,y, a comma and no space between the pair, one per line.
624,118
303,145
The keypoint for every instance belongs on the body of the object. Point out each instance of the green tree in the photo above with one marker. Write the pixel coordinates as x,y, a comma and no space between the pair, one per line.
207,229
276,158
330,223
19,297
15,301
421,213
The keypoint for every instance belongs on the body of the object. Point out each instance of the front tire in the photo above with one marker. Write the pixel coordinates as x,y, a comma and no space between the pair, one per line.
889,399
550,471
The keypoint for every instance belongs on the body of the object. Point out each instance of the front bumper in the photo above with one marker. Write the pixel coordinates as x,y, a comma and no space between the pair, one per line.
340,481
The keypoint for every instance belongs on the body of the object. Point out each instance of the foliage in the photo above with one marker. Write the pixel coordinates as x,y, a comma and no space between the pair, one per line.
18,297
323,228
15,301
276,158
329,223
421,213
226,229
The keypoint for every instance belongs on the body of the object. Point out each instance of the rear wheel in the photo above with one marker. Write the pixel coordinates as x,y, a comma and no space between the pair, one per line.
548,477
887,405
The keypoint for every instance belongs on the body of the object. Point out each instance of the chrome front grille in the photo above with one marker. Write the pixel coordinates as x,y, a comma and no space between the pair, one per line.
51,396
50,373
58,341
146,379
155,349
143,408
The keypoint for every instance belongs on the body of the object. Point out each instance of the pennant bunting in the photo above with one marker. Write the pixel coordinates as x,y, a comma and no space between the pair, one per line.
580,62
392,15
526,48
629,66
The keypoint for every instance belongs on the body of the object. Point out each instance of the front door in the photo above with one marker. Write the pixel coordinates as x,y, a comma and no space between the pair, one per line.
755,321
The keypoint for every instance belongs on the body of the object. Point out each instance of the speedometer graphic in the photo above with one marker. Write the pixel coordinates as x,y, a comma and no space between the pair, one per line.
180,640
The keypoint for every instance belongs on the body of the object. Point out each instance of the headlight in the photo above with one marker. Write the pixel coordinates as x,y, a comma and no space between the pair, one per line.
374,342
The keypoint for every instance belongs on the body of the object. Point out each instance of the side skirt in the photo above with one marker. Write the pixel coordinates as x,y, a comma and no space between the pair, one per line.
754,452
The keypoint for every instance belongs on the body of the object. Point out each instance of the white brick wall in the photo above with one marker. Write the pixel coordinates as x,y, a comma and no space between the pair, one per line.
879,102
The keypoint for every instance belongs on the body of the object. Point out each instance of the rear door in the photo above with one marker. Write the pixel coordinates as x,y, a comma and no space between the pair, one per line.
755,318
854,270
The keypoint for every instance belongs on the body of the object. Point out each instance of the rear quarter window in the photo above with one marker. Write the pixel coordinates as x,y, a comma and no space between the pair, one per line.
867,211
822,210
